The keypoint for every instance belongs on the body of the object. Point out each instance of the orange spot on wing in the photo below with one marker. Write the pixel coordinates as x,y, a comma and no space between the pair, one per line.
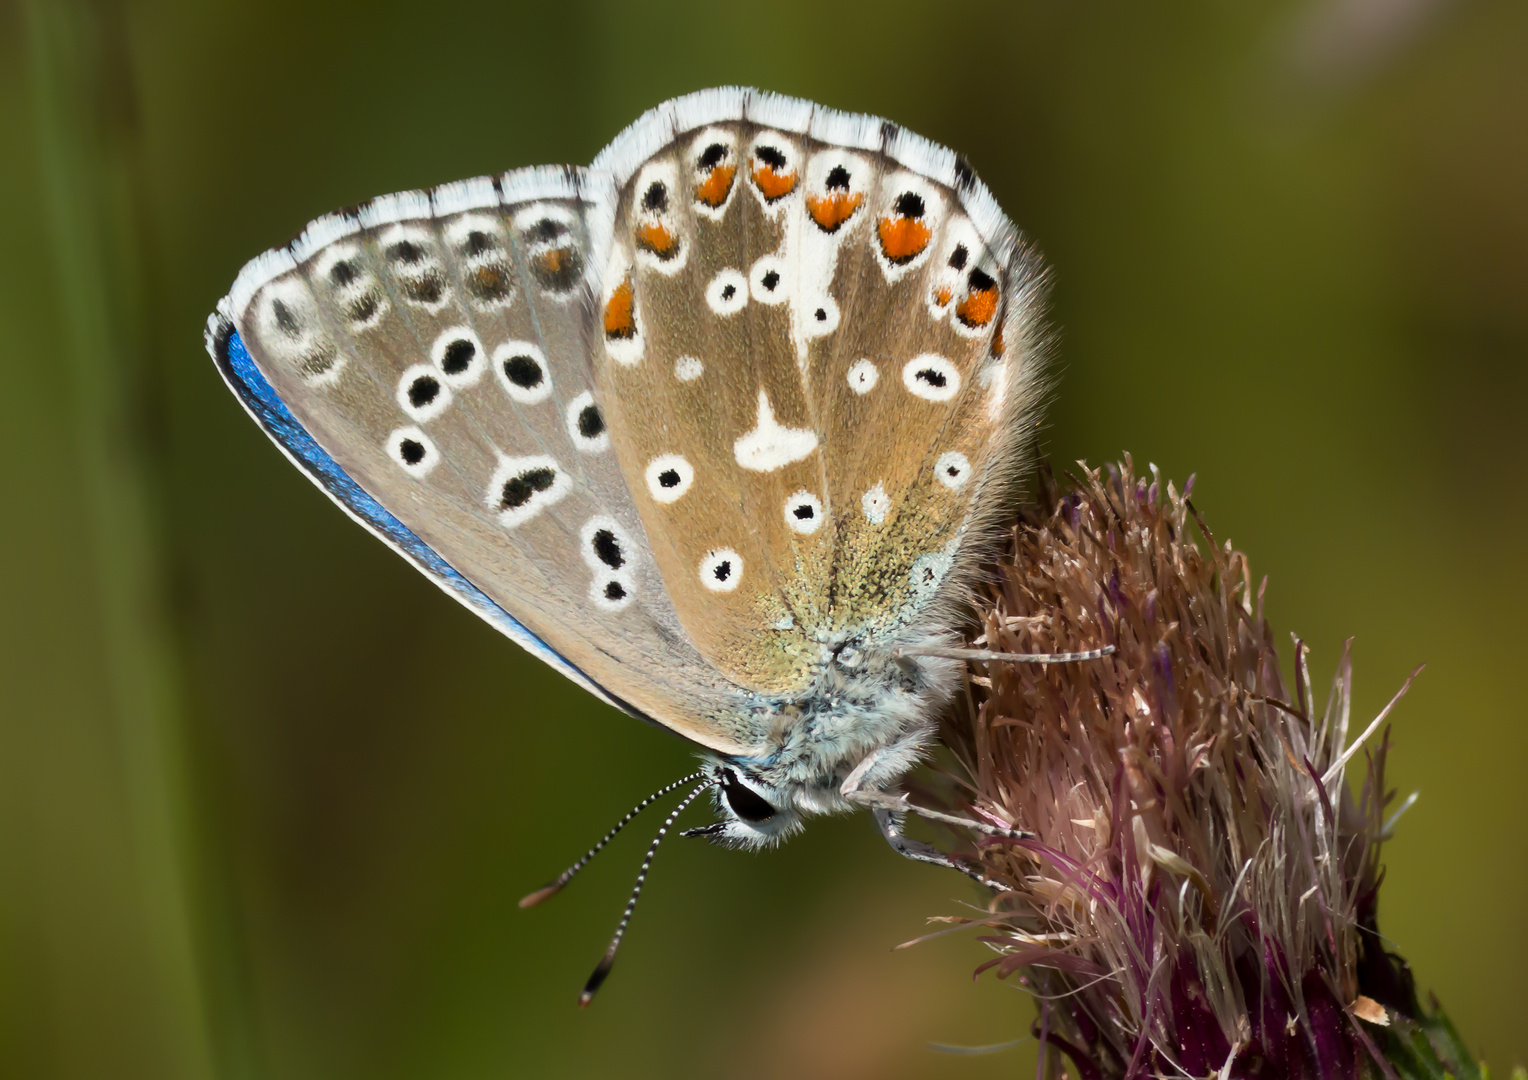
978,307
833,209
658,239
773,185
903,238
942,295
620,317
551,260
714,190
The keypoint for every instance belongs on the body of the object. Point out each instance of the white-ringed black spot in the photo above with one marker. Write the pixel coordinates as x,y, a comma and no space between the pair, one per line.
477,243
958,257
770,280
412,449
656,197
721,570
770,156
727,294
607,548
342,273
522,487
803,512
838,179
458,356
519,490
712,156
523,371
952,469
614,590
980,281
668,477
423,390
931,377
821,315
586,424
863,375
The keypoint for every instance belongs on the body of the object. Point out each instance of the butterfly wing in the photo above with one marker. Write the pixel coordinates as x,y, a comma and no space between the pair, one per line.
425,360
804,382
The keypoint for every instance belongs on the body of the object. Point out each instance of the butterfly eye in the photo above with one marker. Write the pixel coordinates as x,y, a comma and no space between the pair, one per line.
743,800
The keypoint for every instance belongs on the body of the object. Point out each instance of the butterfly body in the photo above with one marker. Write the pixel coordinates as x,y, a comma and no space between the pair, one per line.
719,426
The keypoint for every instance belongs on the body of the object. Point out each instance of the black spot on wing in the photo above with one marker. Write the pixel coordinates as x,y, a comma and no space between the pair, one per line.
519,490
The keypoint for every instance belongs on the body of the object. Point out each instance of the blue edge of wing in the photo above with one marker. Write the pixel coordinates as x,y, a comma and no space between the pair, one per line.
239,371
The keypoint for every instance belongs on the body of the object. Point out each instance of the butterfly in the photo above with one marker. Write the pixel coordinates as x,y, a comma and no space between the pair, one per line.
720,427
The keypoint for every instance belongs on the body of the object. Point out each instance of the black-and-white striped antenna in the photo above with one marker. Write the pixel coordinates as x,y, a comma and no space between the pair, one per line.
602,969
567,875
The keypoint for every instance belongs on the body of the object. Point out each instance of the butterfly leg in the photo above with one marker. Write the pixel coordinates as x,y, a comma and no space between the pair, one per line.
890,826
857,791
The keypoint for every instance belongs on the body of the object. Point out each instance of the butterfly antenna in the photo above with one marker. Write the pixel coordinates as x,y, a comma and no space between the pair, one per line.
1009,657
567,875
602,969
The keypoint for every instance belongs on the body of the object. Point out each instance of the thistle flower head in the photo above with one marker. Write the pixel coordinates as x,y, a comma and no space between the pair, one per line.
1200,894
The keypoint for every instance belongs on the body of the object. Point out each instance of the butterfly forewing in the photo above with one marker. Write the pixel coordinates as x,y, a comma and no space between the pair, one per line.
436,350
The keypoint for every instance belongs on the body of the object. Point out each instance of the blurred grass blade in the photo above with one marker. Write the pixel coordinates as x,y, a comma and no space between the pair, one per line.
82,95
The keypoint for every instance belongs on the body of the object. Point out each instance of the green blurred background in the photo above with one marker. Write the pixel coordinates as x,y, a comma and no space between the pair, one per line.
250,829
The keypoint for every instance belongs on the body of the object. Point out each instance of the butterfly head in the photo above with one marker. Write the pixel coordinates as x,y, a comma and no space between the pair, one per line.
753,812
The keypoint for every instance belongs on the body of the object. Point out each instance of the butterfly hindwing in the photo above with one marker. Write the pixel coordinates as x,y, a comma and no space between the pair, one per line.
805,374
